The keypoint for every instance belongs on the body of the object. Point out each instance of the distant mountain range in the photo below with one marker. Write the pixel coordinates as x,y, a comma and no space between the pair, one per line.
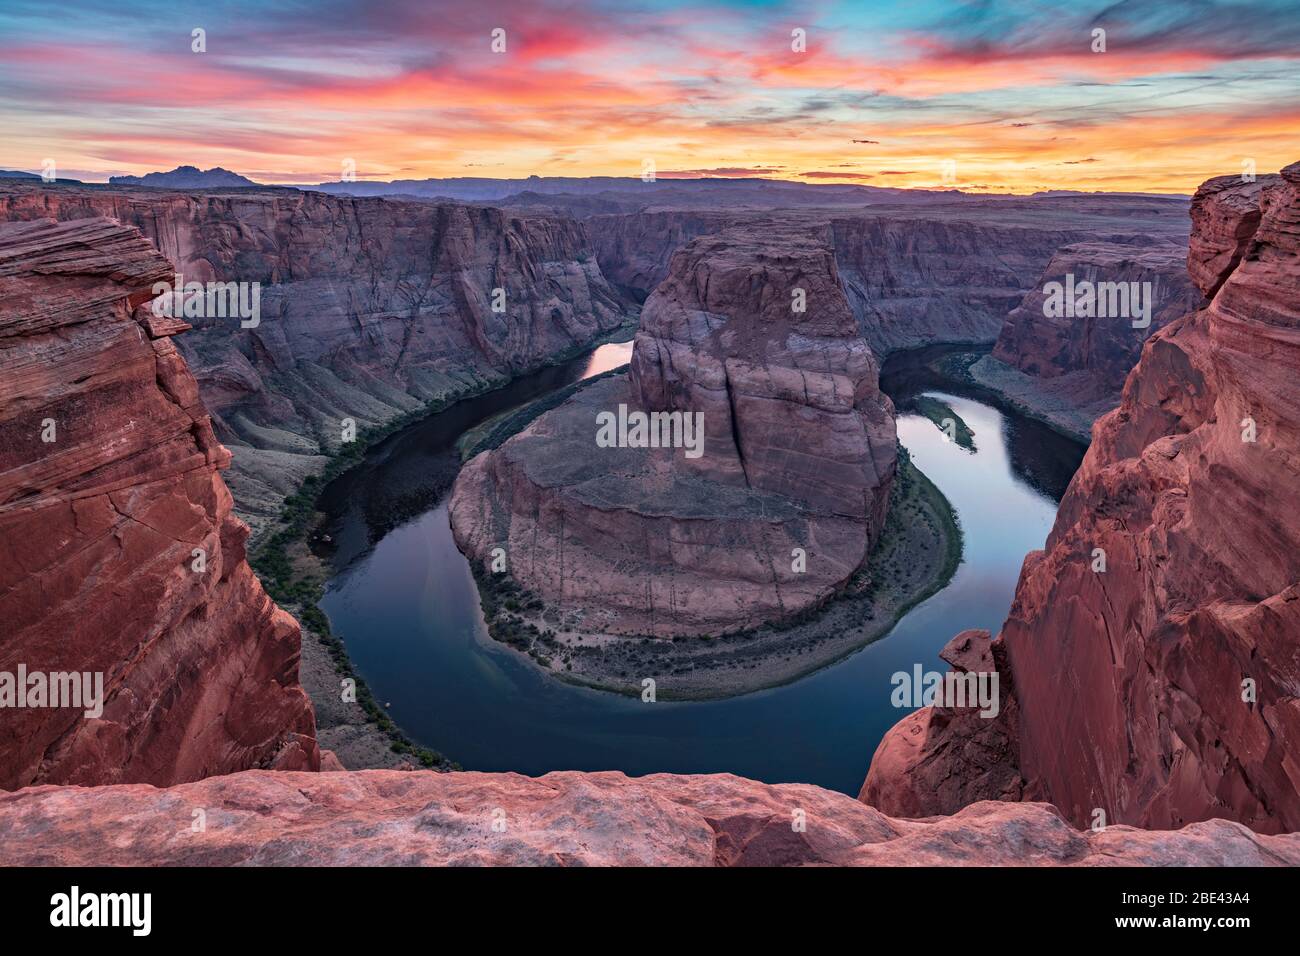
580,195
186,177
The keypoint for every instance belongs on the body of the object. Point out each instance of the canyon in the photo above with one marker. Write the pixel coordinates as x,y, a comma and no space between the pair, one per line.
370,308
1123,689
374,308
1152,642
1069,369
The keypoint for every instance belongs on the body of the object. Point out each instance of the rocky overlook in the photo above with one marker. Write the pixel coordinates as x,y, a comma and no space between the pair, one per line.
1159,687
798,453
369,307
119,554
418,818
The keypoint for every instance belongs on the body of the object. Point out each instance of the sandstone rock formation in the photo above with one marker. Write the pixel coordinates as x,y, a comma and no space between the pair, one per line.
912,771
798,452
110,493
369,308
1163,689
395,818
1070,369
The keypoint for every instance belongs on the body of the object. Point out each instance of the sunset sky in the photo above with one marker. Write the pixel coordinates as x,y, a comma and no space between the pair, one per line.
886,92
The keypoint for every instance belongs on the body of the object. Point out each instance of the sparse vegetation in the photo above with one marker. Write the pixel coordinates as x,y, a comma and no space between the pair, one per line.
943,416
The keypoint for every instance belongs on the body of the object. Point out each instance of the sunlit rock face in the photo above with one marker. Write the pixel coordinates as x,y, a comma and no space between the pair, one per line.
1162,689
752,334
120,557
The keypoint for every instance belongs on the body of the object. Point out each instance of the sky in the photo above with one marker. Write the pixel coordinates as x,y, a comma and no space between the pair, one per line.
998,95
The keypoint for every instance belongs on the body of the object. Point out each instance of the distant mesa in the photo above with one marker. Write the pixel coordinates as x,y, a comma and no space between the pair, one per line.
186,177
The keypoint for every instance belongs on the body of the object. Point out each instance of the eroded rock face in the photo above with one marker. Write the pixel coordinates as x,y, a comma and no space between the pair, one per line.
798,452
1225,215
918,269
912,773
1104,348
1163,690
1070,369
110,492
369,307
395,818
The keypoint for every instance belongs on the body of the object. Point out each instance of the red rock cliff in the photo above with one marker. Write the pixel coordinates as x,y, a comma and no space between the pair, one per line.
1166,688
109,485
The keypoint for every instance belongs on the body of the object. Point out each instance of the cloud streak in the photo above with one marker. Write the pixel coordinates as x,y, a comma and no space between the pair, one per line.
1011,92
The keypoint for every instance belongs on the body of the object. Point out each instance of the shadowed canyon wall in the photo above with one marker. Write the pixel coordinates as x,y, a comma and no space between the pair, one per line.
369,308
930,270
1069,368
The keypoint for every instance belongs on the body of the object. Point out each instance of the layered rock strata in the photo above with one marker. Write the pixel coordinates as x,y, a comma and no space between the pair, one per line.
1070,368
368,308
122,571
917,270
1153,643
797,457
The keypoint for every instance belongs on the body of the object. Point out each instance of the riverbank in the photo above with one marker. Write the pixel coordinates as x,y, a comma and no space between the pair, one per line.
916,556
1051,402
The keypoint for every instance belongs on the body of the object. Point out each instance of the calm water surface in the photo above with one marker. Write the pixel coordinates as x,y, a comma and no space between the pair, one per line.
407,608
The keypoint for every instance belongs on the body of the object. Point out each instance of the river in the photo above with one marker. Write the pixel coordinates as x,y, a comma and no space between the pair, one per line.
408,611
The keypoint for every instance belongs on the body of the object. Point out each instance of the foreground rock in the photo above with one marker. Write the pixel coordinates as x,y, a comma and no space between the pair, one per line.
1162,690
798,452
369,308
395,818
119,554
1070,369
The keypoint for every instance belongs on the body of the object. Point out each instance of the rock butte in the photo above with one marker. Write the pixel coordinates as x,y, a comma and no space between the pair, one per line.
1129,684
99,526
799,453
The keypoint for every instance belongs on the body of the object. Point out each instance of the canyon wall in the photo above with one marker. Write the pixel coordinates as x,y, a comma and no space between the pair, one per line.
915,281
119,554
369,308
1153,644
926,271
1068,368
798,452
420,818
